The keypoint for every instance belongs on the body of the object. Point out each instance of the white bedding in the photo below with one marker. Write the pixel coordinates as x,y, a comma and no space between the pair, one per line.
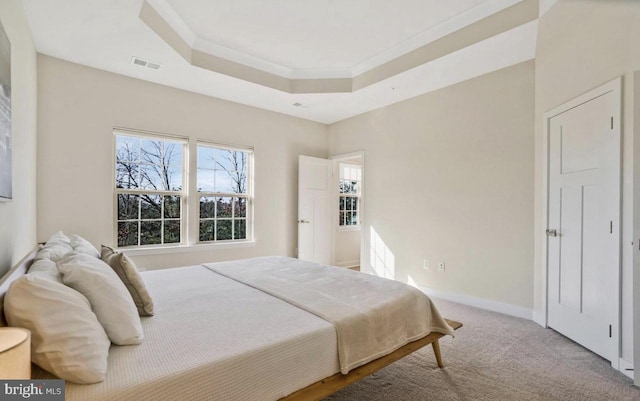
373,316
213,338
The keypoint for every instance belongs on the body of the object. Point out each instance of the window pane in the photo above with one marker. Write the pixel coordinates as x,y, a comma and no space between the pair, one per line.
150,151
151,177
207,207
240,207
344,187
239,182
128,207
150,232
223,230
128,233
354,203
240,229
206,230
350,218
173,154
354,219
348,202
173,178
205,180
127,175
341,219
226,181
127,148
342,203
354,187
172,231
223,207
205,157
151,207
226,160
172,207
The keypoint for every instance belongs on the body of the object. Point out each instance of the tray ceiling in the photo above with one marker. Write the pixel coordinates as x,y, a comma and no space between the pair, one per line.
334,58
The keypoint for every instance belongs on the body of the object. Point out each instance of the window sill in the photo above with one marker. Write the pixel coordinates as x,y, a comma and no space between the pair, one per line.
349,228
162,250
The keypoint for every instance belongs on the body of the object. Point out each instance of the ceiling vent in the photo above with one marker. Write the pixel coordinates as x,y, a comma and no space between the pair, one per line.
145,63
297,104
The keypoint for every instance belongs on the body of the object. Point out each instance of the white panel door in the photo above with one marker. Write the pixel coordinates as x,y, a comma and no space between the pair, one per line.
314,217
584,216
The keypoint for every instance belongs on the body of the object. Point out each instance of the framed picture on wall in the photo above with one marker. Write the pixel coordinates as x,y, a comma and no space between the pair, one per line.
6,185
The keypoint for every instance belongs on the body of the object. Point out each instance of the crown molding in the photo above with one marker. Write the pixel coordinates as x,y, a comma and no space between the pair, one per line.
479,23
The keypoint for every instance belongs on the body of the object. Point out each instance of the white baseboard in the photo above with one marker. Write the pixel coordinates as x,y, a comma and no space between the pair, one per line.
624,365
494,306
348,264
539,318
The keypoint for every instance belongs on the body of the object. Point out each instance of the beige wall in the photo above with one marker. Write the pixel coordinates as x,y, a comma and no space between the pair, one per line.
18,216
79,106
347,248
581,45
449,177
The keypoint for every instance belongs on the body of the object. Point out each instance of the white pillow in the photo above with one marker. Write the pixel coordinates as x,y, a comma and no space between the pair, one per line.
55,248
59,237
81,245
46,268
108,296
66,337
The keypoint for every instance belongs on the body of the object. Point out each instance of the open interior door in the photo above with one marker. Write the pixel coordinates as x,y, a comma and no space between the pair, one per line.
314,217
584,223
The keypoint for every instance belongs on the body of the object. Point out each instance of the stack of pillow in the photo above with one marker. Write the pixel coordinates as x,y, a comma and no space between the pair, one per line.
76,301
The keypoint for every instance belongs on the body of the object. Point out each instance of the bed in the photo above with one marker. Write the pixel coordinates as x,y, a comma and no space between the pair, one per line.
214,337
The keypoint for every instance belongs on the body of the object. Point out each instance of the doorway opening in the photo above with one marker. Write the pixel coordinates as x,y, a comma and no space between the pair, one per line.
347,210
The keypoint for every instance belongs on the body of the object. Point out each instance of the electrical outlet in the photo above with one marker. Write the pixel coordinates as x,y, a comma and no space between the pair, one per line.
425,264
441,266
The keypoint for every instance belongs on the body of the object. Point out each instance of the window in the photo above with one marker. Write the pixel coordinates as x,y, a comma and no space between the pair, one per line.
349,195
149,182
155,206
224,193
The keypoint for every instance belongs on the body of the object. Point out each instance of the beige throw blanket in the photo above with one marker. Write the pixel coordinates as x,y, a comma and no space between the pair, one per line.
373,316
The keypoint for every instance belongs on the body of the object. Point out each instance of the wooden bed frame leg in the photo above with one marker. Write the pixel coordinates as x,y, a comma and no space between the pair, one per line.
436,350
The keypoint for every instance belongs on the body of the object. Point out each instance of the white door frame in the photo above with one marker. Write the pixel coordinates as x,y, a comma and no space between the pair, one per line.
614,86
337,158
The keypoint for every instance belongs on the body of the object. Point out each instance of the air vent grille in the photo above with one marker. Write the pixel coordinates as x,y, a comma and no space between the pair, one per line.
145,63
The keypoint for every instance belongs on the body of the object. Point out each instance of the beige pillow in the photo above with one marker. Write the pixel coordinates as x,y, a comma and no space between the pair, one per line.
108,296
66,337
81,245
128,273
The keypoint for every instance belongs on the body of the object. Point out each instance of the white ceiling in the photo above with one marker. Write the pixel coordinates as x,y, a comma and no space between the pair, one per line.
325,38
313,35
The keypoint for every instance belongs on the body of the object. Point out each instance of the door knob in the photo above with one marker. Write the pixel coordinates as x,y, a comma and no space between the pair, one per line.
303,221
552,233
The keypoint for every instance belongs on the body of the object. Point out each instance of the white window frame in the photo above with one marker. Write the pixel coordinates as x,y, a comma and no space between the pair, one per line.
248,196
357,196
184,212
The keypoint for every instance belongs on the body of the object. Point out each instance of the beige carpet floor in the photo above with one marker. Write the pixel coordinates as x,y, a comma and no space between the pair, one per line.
495,357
